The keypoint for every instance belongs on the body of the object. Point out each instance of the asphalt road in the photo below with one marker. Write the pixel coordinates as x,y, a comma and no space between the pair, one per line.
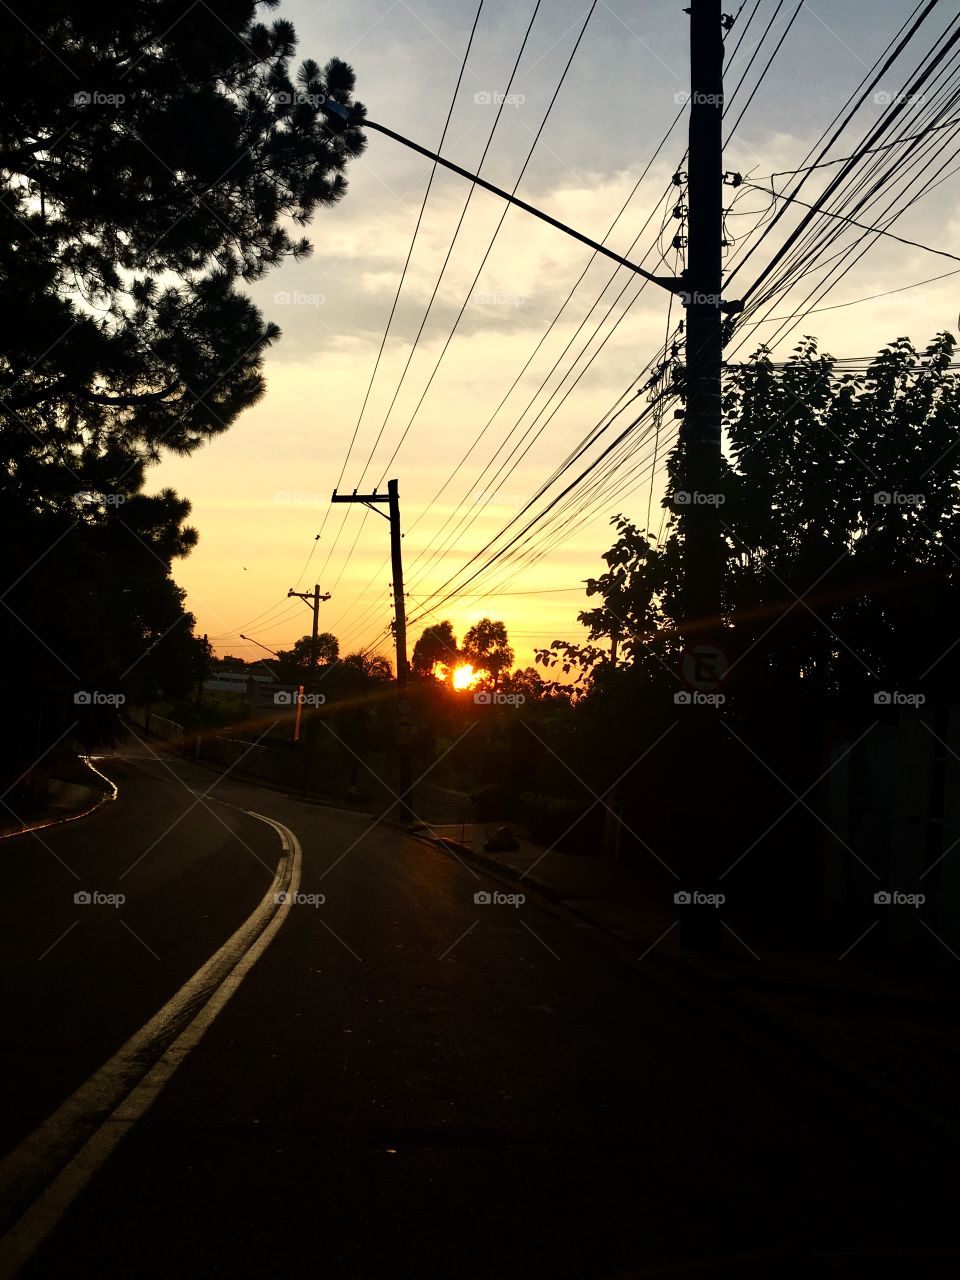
406,1082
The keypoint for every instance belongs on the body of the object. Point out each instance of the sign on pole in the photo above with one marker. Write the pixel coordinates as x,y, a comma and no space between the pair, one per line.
704,667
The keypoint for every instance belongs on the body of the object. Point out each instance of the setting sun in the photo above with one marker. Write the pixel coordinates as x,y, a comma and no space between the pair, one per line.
464,677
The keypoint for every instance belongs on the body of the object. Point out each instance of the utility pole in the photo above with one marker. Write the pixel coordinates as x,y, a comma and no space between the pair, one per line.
701,431
312,600
396,566
703,827
201,676
374,501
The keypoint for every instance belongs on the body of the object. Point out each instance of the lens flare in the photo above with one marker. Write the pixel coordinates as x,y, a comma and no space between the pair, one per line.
465,677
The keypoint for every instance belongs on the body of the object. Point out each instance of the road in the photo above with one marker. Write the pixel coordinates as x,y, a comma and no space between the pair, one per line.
405,1082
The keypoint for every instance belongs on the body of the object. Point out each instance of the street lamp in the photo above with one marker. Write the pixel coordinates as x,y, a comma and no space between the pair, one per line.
262,646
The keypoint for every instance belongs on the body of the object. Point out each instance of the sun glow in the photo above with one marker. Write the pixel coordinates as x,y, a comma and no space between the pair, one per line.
464,677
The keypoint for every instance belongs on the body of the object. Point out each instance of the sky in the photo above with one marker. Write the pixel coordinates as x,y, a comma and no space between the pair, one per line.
260,492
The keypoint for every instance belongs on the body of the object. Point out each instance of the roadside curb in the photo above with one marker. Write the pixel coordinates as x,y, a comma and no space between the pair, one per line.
721,1000
85,812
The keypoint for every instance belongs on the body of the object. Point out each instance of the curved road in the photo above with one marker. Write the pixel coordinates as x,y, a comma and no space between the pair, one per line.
406,1082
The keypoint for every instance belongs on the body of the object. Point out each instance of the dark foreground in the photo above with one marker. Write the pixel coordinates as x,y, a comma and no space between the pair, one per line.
406,1082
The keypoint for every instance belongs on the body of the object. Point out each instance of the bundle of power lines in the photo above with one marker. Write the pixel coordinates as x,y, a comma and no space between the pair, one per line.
813,224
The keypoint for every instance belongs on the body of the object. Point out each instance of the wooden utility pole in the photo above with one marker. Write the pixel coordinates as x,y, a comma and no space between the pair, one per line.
701,456
702,425
374,501
396,565
312,599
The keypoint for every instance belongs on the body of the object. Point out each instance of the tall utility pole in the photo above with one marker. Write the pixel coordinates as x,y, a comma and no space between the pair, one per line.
374,501
701,432
312,599
396,565
703,830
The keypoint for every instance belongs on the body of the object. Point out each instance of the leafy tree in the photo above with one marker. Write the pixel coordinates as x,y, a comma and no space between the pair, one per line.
375,667
527,681
436,647
298,659
841,519
486,647
154,158
842,499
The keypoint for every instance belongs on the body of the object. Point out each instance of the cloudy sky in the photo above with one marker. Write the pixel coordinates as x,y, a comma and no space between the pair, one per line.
260,492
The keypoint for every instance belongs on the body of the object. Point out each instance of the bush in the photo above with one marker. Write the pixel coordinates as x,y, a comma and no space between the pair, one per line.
553,821
495,801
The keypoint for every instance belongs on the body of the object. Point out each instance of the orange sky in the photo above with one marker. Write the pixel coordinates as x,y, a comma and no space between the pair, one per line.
260,492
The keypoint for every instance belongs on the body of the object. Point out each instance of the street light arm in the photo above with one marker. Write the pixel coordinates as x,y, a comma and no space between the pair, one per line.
341,118
251,640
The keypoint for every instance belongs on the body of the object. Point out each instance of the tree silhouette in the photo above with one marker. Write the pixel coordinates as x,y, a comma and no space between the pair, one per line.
436,647
299,657
486,647
156,159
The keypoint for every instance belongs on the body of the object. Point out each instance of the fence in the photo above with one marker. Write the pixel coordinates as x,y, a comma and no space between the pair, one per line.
168,730
893,806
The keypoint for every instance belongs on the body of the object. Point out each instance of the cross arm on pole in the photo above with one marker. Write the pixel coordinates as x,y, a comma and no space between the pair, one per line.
365,499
